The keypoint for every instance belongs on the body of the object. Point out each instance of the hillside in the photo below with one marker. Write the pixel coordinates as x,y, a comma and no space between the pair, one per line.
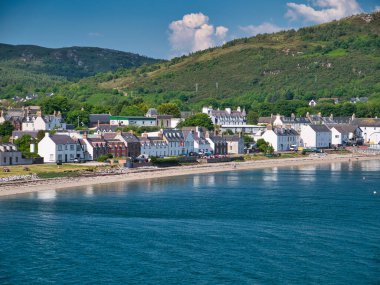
25,67
337,59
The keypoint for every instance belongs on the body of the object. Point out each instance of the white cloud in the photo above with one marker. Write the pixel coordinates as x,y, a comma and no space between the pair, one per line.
264,28
194,33
322,11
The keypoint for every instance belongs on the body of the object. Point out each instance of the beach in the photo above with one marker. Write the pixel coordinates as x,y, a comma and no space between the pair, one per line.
144,174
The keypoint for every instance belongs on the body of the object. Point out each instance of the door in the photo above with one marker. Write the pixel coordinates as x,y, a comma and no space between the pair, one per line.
10,160
65,157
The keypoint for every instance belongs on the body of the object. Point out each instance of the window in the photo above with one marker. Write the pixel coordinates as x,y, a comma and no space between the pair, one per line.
59,147
5,160
71,147
51,156
16,159
71,156
59,157
66,147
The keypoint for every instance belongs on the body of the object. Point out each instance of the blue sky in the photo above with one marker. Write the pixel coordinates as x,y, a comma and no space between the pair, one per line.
160,28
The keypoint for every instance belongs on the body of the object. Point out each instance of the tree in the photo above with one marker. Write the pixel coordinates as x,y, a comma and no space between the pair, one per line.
169,109
197,120
252,117
72,117
40,135
132,110
262,145
6,129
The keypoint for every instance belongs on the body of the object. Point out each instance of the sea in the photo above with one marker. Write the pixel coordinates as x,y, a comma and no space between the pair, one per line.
315,224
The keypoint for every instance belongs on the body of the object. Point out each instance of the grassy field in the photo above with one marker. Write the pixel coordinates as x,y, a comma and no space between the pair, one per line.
47,170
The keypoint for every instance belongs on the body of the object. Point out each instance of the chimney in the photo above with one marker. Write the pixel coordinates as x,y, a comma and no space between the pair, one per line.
55,113
47,134
85,136
353,116
269,127
228,110
331,116
145,135
307,115
238,109
59,114
292,116
319,114
119,132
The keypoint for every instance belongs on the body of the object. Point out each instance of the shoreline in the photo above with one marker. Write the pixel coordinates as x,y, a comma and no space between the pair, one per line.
144,174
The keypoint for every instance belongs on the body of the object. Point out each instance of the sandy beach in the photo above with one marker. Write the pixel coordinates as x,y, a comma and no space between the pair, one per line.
144,174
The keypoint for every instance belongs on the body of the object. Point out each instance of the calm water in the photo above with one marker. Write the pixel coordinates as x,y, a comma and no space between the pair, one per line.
314,225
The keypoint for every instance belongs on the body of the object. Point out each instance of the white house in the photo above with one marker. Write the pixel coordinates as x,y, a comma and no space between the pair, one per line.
45,123
227,116
342,134
176,142
315,136
370,128
132,121
281,139
153,146
235,144
312,103
195,140
54,148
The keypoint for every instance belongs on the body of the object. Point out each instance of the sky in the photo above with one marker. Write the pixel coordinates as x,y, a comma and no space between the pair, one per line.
161,28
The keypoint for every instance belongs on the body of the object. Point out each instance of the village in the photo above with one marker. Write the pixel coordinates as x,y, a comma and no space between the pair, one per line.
232,136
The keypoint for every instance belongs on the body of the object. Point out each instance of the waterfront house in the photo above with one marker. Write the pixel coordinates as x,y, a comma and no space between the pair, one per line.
235,144
153,146
10,155
94,147
343,134
281,139
315,136
218,144
176,142
54,148
131,142
196,135
370,128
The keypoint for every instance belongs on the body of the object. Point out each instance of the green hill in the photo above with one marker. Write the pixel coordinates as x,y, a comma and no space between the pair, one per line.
337,59
24,68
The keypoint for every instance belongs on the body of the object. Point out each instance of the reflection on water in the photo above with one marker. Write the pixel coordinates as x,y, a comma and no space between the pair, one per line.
47,195
270,174
89,192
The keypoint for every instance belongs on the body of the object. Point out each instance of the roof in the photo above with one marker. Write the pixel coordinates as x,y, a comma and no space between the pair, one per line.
345,128
233,138
173,135
285,132
125,118
106,128
101,118
128,137
7,147
266,120
62,139
19,134
320,128
218,139
366,122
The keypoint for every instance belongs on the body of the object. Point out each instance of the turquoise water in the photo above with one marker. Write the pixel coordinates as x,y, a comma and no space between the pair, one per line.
310,225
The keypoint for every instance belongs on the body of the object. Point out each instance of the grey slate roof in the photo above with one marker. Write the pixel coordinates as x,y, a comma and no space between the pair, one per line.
366,122
285,132
320,128
173,135
102,118
345,128
62,139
